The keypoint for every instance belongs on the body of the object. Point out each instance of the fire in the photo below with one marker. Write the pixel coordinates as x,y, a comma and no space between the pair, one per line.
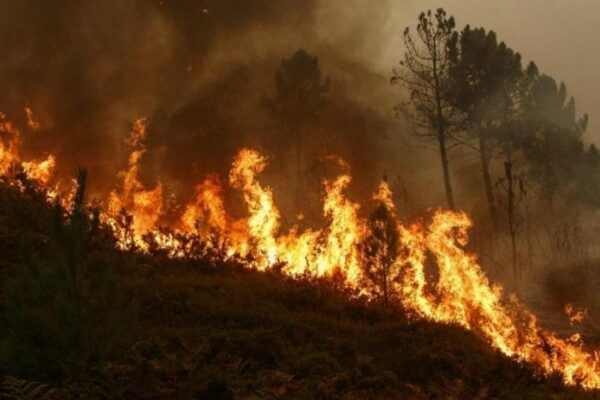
319,253
143,205
460,293
31,122
264,218
41,171
574,315
345,233
10,141
207,207
464,296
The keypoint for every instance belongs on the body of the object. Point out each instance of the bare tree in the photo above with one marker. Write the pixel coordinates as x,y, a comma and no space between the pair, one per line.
425,73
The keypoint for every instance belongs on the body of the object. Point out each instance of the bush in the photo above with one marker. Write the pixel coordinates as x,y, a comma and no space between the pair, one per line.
64,312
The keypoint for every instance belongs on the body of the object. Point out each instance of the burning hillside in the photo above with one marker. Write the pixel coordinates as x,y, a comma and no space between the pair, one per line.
459,294
455,192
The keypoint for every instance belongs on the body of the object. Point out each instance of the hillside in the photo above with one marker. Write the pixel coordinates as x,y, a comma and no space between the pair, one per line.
228,333
81,319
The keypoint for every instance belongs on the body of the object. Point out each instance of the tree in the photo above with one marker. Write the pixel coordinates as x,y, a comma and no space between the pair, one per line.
300,93
512,198
485,78
380,251
425,73
553,147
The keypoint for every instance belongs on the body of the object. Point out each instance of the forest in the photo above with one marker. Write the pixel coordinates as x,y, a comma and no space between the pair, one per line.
209,201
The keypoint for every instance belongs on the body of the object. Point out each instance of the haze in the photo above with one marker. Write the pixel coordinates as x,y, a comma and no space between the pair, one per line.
559,35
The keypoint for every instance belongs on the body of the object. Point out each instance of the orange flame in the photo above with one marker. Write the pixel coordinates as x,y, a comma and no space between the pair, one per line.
39,171
574,315
143,205
31,122
207,208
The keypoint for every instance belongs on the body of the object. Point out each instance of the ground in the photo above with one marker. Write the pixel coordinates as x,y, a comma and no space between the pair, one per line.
229,333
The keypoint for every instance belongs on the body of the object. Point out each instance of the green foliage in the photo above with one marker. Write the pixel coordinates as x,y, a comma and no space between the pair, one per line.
64,312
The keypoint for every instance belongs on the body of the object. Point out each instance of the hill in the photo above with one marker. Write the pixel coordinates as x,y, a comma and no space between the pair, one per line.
81,319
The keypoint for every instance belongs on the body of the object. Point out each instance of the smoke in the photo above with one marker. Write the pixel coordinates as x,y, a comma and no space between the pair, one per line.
198,69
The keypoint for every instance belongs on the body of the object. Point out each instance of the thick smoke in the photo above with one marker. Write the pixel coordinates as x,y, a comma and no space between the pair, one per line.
199,70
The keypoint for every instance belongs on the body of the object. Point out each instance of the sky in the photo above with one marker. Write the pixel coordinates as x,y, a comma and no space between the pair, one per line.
561,36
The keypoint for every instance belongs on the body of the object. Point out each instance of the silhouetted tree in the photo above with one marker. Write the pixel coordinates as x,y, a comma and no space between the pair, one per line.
485,78
300,93
380,251
553,146
425,73
512,197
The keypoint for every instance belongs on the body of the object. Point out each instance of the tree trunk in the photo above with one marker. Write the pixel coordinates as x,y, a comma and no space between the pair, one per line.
299,183
511,220
487,179
444,157
441,133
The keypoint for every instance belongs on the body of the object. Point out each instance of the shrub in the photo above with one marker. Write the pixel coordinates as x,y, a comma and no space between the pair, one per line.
64,311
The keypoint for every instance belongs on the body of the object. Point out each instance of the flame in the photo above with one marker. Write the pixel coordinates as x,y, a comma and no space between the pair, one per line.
384,196
345,232
263,221
40,171
320,253
143,205
464,296
31,122
574,315
9,146
207,209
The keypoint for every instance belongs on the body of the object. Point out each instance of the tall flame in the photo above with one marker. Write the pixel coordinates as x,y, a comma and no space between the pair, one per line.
207,207
263,222
144,205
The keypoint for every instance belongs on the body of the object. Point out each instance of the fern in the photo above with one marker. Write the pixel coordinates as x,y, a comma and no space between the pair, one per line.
19,389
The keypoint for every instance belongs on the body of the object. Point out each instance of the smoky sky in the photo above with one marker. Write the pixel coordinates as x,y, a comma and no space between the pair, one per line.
560,36
199,70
